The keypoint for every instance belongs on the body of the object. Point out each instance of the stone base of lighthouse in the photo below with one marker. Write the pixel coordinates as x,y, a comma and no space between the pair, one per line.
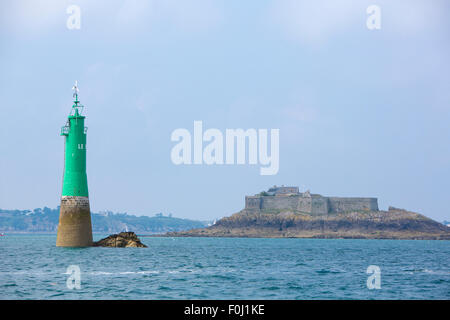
74,228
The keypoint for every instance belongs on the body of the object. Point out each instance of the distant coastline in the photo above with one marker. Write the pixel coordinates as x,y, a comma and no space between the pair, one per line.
45,221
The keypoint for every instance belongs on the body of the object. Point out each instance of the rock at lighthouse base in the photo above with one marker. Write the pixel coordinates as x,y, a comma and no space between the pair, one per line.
121,240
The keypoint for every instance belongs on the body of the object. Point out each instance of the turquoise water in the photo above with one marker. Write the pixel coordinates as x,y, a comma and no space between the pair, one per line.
226,268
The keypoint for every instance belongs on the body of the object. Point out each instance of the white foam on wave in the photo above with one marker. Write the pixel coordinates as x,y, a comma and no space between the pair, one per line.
436,272
100,273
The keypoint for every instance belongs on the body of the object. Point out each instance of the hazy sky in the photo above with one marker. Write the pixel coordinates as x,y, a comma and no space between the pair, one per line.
361,112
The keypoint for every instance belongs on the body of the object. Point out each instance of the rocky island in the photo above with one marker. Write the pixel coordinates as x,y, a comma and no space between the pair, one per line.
121,240
284,212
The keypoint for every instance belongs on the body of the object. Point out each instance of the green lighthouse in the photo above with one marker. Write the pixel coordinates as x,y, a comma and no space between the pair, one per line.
74,228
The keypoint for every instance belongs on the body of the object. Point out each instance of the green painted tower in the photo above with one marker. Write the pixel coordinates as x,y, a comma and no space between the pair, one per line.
75,228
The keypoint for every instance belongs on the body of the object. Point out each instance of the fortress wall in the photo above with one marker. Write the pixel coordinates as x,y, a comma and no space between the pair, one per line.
304,204
283,202
337,205
319,205
252,202
284,190
313,205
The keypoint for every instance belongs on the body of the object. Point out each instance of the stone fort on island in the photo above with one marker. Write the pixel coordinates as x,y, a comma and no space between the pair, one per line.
289,198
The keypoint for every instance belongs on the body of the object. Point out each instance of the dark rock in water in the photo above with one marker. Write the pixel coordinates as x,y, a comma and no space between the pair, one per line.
121,240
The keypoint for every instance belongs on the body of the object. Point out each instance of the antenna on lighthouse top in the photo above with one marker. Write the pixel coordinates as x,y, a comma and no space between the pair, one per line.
76,104
75,92
75,87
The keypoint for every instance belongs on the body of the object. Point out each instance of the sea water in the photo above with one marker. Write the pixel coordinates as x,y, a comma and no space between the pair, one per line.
32,267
